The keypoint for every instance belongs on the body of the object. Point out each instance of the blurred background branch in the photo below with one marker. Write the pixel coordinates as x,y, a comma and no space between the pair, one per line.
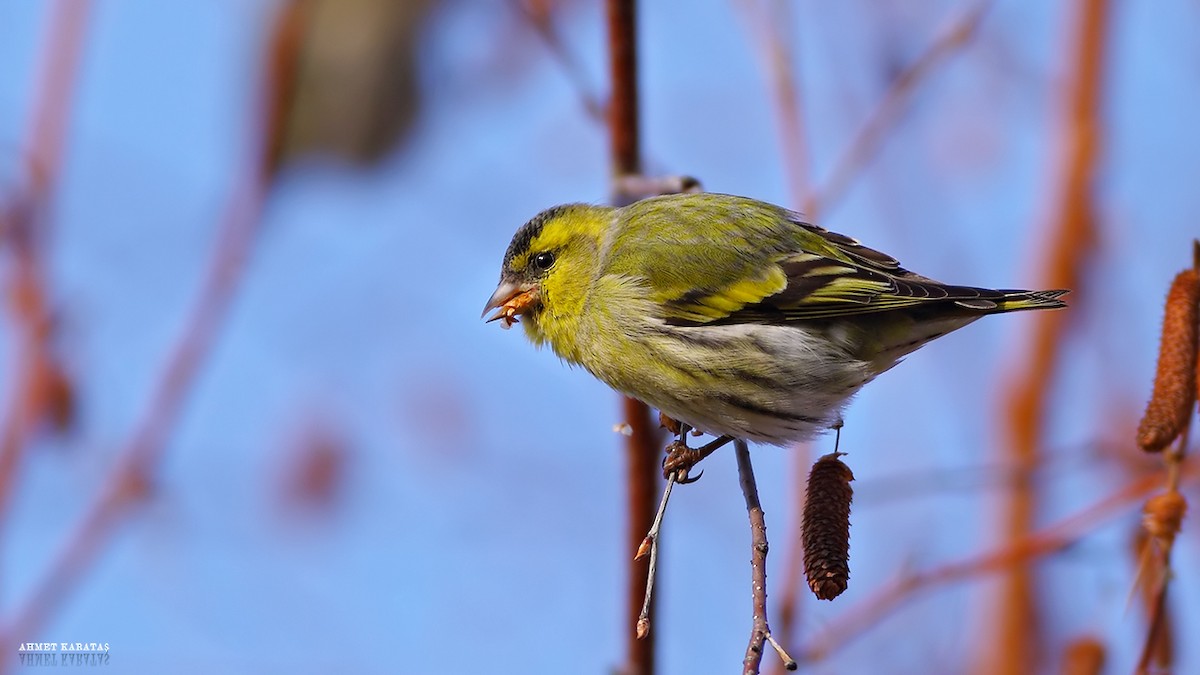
1017,645
133,472
343,376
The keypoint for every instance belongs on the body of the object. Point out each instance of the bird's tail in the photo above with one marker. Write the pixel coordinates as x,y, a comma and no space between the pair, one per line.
934,322
1016,300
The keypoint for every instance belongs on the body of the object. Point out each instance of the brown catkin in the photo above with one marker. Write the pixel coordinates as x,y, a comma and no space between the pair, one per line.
1175,380
826,527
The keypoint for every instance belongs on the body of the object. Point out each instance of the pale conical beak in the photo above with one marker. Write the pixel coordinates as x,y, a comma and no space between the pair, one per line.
504,292
510,300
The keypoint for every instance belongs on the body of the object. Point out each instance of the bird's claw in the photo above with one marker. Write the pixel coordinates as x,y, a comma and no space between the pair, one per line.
679,461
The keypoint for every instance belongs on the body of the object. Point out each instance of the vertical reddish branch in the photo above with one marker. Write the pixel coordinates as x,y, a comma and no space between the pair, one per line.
623,102
1018,621
640,450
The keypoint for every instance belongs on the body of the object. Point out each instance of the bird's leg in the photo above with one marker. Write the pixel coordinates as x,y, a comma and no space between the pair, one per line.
681,459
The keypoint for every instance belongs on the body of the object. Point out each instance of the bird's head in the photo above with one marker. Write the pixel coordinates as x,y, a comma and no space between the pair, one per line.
549,266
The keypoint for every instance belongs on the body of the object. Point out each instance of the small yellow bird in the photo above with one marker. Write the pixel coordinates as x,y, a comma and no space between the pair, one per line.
726,313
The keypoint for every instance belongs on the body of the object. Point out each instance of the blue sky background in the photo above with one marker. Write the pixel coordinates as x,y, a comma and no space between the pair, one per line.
479,524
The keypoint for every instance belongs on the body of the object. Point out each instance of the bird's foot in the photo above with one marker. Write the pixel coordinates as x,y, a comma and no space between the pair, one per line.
679,462
681,459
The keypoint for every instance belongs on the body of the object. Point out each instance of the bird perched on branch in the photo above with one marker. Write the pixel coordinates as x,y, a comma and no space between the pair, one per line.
726,313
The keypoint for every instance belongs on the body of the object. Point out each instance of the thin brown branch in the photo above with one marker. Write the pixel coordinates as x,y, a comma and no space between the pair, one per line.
1144,550
1163,515
778,57
53,103
870,138
679,461
542,23
776,53
30,321
129,481
649,547
1016,646
760,631
1158,619
25,232
1054,538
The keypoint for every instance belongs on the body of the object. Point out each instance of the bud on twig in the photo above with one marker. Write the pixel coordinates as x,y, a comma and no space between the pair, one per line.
1163,515
826,527
1175,380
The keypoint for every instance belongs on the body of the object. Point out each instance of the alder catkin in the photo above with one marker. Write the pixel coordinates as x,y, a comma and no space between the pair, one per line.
826,527
1175,379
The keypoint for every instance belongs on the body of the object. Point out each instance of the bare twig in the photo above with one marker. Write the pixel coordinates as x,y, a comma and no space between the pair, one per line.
1016,645
873,133
1052,539
129,480
679,461
650,546
778,60
775,48
1163,514
772,31
632,187
542,23
17,222
1146,582
31,323
53,103
760,632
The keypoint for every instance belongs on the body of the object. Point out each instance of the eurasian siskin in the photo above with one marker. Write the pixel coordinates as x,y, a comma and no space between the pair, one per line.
727,313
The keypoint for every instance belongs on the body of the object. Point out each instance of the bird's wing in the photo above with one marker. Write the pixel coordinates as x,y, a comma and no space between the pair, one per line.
828,276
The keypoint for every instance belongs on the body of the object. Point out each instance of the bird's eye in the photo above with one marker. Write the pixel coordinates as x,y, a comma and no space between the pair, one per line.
543,261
